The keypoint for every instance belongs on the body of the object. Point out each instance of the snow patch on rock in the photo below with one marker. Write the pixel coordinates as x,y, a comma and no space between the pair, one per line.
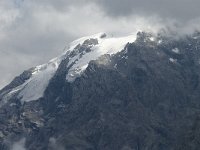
172,60
176,50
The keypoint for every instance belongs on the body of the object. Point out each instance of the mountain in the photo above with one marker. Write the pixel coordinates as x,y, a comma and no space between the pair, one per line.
135,92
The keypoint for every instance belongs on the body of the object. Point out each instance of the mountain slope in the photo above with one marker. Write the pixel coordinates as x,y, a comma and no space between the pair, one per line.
108,93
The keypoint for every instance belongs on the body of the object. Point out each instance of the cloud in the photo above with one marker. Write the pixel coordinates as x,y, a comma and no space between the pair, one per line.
32,32
20,145
53,145
182,10
178,9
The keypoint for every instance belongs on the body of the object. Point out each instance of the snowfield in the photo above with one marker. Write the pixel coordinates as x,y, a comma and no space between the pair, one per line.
34,87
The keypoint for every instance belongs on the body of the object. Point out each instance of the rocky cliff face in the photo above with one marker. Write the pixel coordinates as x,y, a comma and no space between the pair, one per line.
142,94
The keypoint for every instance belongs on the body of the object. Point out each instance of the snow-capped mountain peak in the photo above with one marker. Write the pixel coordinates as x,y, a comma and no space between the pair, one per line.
97,46
146,86
79,53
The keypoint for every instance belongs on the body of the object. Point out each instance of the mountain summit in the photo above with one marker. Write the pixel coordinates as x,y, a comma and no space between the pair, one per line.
135,92
79,53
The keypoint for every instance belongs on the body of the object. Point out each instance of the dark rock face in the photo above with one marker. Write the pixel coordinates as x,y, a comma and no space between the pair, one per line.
144,97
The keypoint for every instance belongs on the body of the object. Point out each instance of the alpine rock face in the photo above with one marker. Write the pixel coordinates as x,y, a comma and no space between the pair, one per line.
135,92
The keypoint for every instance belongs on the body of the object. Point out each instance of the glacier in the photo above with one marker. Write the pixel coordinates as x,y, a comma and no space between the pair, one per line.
35,86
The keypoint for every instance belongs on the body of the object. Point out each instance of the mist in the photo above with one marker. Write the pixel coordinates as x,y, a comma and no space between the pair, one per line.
19,145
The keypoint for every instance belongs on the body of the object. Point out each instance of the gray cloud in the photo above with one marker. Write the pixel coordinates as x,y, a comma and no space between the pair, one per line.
53,145
20,145
32,32
182,10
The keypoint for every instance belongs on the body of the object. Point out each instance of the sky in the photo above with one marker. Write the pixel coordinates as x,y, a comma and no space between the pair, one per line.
34,31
